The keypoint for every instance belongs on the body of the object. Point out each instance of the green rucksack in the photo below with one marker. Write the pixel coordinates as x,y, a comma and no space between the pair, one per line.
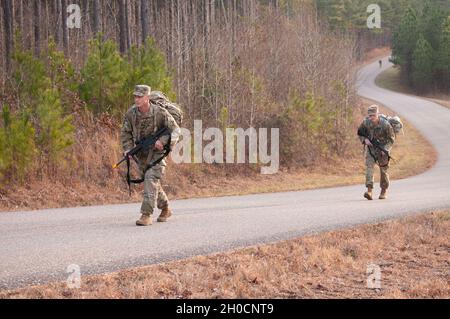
158,98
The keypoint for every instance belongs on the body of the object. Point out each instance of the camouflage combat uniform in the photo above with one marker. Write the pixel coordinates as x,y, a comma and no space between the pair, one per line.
385,134
137,125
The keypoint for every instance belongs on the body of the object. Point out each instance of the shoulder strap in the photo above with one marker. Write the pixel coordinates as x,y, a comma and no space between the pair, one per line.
154,163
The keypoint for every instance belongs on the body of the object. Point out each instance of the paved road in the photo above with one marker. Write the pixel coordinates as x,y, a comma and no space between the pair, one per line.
37,247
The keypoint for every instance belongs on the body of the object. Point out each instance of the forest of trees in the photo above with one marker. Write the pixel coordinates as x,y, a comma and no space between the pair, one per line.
350,16
418,31
421,47
229,63
263,63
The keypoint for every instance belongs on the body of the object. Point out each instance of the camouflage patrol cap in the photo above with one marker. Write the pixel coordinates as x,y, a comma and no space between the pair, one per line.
142,90
372,110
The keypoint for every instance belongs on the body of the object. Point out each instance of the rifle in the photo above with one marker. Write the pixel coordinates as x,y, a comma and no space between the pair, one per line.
362,131
142,145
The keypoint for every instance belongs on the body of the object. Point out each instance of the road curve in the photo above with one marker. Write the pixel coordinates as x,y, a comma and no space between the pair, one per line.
37,247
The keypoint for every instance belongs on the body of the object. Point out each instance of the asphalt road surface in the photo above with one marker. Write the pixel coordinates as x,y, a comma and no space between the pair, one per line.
37,247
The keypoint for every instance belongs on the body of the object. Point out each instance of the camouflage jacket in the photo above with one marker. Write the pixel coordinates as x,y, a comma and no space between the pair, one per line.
137,125
382,132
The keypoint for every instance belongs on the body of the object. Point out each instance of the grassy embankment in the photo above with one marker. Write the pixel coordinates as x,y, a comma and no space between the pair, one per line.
413,255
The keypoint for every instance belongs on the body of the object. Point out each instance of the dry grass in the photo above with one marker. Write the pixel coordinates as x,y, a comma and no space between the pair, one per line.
412,152
390,79
413,254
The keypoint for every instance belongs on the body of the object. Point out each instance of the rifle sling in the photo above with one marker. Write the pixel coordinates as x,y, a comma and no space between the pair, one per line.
363,133
154,163
376,159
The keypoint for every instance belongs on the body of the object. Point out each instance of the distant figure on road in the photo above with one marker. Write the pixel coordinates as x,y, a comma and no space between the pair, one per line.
381,63
380,130
142,120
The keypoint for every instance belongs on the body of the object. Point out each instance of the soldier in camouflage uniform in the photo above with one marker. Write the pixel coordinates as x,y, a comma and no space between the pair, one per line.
141,120
378,129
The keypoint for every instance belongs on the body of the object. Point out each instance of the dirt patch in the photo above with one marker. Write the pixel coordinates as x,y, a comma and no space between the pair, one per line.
412,256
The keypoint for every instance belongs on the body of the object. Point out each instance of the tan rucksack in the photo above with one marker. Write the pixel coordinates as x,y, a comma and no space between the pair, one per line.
395,122
163,101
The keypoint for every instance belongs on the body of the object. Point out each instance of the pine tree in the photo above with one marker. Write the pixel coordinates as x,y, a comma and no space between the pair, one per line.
102,76
54,129
147,65
425,62
17,147
404,42
62,75
39,98
442,65
60,69
422,65
29,76
431,24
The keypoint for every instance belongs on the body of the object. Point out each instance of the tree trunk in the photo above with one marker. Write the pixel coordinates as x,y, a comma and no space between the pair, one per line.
37,26
122,26
21,14
47,22
7,25
97,13
127,24
144,20
65,32
20,18
95,17
12,16
58,6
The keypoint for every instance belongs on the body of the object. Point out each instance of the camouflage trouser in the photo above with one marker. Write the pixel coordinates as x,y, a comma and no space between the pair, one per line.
154,195
370,165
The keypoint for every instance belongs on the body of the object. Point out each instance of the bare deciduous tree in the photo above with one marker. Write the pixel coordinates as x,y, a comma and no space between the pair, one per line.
123,28
96,15
8,31
37,26
144,20
65,31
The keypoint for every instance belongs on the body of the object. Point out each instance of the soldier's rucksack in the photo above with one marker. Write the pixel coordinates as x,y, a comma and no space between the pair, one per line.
161,100
395,122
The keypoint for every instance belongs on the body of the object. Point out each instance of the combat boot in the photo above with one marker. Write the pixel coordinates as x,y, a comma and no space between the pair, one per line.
383,194
368,194
145,220
165,214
